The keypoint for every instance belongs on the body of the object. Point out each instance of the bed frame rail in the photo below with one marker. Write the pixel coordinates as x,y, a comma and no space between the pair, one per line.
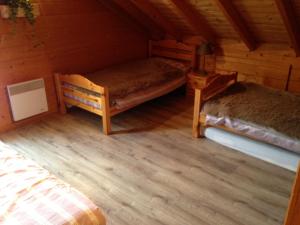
216,84
100,98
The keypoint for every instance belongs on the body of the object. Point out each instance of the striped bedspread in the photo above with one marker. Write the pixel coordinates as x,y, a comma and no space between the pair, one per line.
29,194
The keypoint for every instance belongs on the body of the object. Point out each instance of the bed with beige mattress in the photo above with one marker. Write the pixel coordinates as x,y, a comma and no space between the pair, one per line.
120,87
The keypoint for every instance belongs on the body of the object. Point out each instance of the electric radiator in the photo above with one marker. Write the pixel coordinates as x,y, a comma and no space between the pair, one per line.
27,99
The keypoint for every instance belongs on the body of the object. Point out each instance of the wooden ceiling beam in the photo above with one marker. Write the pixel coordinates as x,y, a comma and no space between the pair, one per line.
289,19
195,20
146,7
120,12
238,23
140,17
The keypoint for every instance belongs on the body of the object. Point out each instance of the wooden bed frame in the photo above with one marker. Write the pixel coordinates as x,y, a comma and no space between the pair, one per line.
167,48
215,85
293,212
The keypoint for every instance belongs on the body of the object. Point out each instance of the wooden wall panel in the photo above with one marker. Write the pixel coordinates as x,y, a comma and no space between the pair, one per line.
268,65
69,36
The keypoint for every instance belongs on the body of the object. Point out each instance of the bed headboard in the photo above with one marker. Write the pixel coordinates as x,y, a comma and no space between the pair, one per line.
173,49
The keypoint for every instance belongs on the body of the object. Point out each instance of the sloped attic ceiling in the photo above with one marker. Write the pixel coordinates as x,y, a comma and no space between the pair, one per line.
251,21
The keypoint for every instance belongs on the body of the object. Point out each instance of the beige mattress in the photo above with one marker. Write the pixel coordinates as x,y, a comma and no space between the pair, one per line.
262,113
137,81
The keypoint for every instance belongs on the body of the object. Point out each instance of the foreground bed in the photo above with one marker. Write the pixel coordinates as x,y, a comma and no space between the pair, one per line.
29,194
258,112
121,87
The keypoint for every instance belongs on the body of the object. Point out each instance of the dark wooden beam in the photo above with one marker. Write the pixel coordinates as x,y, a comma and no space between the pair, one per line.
112,6
289,18
140,17
195,20
238,23
146,7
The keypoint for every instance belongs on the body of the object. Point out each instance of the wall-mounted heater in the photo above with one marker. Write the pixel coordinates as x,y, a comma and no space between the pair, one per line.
27,99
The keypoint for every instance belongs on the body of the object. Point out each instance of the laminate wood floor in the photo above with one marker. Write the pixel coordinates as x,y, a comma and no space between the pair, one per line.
155,173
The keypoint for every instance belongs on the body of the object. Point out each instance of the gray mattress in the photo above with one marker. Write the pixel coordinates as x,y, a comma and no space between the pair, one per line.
263,113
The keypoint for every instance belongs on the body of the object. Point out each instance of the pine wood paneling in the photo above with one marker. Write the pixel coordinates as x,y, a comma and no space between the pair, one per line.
263,20
268,65
69,36
194,19
154,13
172,14
237,21
215,18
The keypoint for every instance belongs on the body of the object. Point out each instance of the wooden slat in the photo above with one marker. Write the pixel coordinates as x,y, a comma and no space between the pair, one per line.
79,94
80,81
195,19
237,22
83,106
288,16
154,14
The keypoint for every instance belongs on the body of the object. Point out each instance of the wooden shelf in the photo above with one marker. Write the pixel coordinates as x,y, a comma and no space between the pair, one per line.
4,11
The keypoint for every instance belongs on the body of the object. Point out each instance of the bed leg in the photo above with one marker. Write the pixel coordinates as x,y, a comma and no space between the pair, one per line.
201,132
61,104
197,106
202,126
106,113
106,126
196,131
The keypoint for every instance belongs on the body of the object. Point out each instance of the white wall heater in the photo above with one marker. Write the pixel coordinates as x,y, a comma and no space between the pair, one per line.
27,99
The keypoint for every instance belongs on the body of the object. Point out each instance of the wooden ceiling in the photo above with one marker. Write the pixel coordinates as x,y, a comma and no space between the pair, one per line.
251,21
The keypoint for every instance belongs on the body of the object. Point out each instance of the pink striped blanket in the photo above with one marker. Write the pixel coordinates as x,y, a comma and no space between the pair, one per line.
29,194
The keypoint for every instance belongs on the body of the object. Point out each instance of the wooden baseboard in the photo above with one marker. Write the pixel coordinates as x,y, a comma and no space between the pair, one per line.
25,122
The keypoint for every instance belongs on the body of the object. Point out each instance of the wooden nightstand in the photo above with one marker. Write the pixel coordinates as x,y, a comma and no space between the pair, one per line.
196,77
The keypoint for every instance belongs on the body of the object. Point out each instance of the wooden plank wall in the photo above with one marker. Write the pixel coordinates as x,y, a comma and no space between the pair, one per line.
267,65
69,36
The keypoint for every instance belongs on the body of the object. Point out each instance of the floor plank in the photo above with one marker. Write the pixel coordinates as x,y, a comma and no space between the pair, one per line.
152,171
